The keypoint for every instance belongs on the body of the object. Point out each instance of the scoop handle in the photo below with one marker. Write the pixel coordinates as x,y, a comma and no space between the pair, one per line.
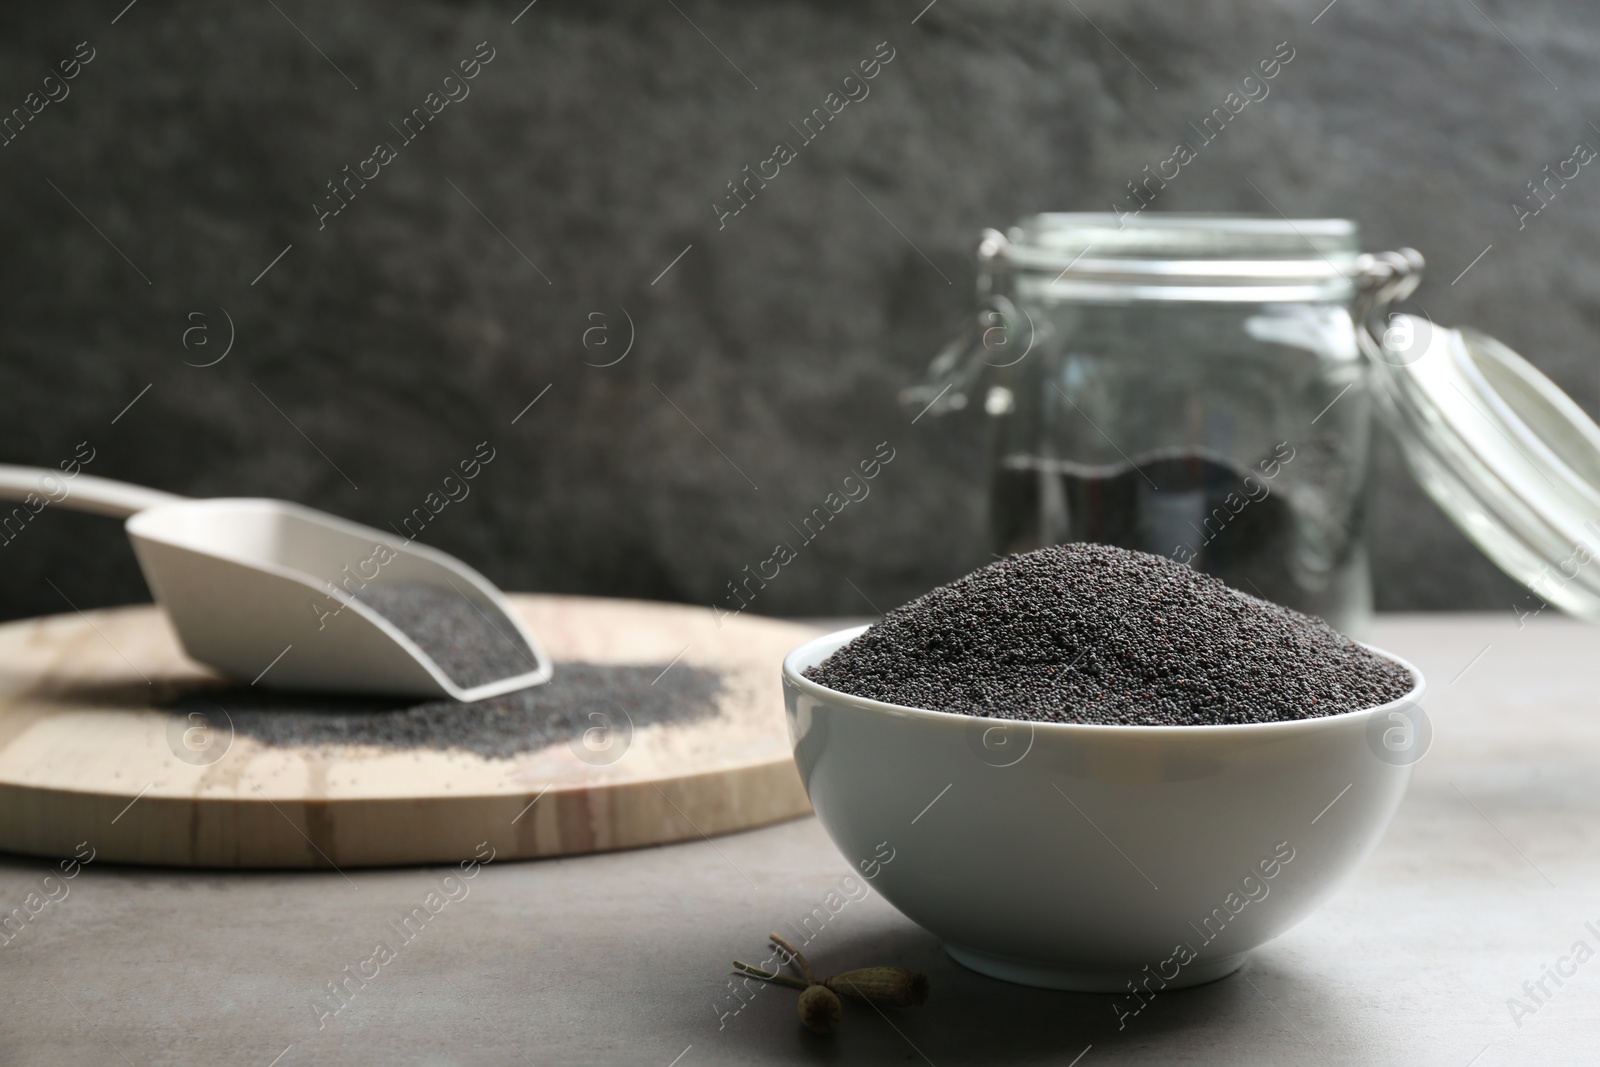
84,492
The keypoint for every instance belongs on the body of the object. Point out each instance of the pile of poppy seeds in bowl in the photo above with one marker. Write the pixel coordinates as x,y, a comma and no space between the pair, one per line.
1088,633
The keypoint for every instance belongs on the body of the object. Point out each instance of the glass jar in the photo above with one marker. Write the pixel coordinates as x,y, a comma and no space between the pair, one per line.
1187,385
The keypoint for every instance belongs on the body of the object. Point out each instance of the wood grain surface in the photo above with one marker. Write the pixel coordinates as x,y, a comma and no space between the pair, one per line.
86,754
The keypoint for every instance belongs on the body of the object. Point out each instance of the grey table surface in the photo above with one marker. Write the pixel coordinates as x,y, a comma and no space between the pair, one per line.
1488,874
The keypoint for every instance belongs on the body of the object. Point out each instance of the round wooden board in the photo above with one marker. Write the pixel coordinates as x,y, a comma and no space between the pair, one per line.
86,757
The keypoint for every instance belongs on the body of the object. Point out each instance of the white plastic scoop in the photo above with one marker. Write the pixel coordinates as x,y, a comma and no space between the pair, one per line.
266,590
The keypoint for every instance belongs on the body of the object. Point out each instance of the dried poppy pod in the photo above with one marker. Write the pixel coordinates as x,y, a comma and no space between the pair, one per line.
893,987
819,1009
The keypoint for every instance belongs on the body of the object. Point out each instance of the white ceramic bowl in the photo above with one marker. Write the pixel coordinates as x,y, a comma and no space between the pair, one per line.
1098,858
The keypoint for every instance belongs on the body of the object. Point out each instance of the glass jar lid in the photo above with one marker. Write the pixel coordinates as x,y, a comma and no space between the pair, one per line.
1502,450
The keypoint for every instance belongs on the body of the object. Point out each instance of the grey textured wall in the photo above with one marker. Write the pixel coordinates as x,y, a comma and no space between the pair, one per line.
458,285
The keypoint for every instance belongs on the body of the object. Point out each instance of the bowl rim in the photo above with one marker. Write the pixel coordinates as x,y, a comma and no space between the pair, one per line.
805,650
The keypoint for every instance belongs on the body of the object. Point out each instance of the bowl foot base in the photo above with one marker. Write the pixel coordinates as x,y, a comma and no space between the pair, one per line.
1085,979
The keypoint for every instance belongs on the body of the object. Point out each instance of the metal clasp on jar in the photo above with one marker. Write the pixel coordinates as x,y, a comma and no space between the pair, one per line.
999,335
1383,280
